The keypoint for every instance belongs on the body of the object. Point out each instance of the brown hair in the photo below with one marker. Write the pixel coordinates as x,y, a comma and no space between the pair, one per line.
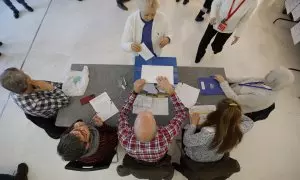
226,119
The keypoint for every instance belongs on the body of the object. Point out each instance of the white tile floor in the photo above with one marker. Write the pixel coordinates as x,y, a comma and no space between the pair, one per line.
90,31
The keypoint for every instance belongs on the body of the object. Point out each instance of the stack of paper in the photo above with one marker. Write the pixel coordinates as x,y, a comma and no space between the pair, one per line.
203,110
187,94
158,106
150,73
104,106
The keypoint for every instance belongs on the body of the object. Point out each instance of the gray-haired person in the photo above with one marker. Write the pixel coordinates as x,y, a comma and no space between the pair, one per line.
40,100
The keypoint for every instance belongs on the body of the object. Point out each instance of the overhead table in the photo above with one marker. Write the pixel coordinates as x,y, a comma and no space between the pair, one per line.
107,78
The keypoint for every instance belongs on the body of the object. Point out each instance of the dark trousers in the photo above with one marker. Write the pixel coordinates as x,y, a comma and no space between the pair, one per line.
48,124
12,7
207,5
261,115
218,43
6,177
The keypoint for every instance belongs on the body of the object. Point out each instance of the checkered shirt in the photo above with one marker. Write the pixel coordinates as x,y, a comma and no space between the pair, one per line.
156,149
43,103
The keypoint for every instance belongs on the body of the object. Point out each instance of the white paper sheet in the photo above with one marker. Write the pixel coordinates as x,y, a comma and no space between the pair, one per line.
158,106
146,53
104,106
296,13
187,94
203,110
290,5
150,73
150,88
296,33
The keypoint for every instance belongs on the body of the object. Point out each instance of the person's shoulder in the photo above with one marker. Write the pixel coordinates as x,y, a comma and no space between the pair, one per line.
134,15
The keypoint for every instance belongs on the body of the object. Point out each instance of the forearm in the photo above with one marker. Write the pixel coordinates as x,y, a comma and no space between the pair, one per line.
228,90
127,108
188,138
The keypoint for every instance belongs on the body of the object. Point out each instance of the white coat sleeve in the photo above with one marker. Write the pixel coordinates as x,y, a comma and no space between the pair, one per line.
168,30
244,99
243,21
127,37
215,7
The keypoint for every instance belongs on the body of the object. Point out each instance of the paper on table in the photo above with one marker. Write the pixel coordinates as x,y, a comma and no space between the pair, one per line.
187,94
296,13
290,5
104,106
158,106
145,52
203,110
150,88
150,73
296,33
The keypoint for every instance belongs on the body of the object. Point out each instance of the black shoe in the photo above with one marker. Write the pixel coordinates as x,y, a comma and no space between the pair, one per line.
122,171
126,0
198,58
199,17
208,11
185,2
177,167
177,0
30,9
16,14
0,54
122,6
22,171
1,43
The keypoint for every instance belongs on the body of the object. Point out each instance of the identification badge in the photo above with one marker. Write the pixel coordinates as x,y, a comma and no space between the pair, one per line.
222,26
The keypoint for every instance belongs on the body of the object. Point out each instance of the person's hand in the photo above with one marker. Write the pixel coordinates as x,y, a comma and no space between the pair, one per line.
164,41
139,85
42,85
195,118
98,120
219,78
213,21
235,40
165,85
136,47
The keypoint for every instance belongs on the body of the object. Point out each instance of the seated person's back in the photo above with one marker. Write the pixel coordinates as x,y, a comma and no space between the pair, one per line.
220,133
88,142
146,141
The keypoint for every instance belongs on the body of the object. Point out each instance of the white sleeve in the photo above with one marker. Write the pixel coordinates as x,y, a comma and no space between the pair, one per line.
243,21
168,30
243,100
241,79
127,37
215,6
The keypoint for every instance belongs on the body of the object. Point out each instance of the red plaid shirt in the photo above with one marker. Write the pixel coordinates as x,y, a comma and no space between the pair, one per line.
157,148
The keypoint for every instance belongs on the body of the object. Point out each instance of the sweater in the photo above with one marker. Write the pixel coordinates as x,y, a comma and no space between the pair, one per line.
238,21
133,31
197,146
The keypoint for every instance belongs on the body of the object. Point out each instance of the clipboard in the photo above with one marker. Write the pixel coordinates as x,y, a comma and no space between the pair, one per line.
209,86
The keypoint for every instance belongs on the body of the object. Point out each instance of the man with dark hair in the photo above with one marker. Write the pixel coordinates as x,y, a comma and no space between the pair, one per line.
15,10
88,142
40,100
121,4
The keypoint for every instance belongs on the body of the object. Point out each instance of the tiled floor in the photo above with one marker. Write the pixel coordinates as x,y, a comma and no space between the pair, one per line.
46,42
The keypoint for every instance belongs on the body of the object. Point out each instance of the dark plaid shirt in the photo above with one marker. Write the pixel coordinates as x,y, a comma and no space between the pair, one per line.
42,103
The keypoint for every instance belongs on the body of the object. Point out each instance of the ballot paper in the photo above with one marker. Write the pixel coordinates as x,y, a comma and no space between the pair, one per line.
158,106
188,95
150,88
296,33
104,106
203,110
145,52
150,73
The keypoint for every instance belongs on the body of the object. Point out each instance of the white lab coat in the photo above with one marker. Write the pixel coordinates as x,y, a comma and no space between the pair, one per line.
133,31
238,21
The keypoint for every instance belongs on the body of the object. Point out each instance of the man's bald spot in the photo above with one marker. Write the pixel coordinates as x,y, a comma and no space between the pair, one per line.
145,126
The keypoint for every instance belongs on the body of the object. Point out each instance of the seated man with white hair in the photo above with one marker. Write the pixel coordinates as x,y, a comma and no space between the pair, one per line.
146,141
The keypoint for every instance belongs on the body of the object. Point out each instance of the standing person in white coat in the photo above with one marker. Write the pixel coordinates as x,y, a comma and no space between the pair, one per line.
257,96
147,26
226,17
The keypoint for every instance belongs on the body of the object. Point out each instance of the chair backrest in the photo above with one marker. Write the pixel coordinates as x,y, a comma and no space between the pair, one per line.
80,166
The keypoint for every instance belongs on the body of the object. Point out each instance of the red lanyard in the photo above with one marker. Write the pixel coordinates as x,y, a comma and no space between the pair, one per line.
231,13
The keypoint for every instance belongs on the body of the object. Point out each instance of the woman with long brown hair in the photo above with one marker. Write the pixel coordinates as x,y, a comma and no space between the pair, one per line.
219,134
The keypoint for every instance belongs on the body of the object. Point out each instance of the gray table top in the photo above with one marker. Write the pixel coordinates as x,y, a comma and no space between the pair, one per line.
106,78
